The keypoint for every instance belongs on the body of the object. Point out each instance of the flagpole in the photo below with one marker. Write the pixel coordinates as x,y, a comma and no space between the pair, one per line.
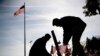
24,31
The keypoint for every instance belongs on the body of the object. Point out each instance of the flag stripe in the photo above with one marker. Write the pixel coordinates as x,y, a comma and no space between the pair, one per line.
22,7
20,10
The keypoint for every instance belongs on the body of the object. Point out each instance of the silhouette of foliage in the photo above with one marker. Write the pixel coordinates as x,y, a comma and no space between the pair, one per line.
93,46
92,7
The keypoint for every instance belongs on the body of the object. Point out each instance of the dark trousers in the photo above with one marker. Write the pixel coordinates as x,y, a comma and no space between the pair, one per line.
75,32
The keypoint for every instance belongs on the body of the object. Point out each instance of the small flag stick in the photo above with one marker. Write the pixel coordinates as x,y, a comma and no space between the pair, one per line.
56,44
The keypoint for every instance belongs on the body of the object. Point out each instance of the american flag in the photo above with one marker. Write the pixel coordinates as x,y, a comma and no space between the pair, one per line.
20,10
62,49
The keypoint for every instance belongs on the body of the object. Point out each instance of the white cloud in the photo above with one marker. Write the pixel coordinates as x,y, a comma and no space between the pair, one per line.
16,50
37,25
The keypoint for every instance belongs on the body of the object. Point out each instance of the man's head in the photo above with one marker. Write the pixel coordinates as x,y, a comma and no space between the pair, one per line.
56,22
47,36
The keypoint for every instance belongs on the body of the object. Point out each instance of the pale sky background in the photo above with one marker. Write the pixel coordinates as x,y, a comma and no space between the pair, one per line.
39,16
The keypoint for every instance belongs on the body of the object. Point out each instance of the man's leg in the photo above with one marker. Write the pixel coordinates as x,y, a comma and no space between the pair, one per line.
77,47
66,37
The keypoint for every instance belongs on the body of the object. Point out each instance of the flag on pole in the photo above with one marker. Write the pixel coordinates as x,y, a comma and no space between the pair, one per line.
31,41
20,10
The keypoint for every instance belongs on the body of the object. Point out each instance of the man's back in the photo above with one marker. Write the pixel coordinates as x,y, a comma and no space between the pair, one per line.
71,22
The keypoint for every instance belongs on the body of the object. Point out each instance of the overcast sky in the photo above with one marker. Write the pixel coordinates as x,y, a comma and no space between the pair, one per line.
39,16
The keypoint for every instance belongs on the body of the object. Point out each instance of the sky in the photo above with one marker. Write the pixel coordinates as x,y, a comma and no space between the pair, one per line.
39,16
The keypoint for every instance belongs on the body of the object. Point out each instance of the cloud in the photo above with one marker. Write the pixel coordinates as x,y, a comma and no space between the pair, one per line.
15,50
39,16
11,3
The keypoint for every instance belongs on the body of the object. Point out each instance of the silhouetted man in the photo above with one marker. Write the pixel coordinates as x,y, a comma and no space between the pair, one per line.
39,47
73,27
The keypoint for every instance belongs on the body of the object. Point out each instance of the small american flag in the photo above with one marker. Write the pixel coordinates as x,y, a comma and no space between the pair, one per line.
20,10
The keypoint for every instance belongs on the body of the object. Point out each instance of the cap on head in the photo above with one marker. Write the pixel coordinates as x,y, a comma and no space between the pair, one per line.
47,35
